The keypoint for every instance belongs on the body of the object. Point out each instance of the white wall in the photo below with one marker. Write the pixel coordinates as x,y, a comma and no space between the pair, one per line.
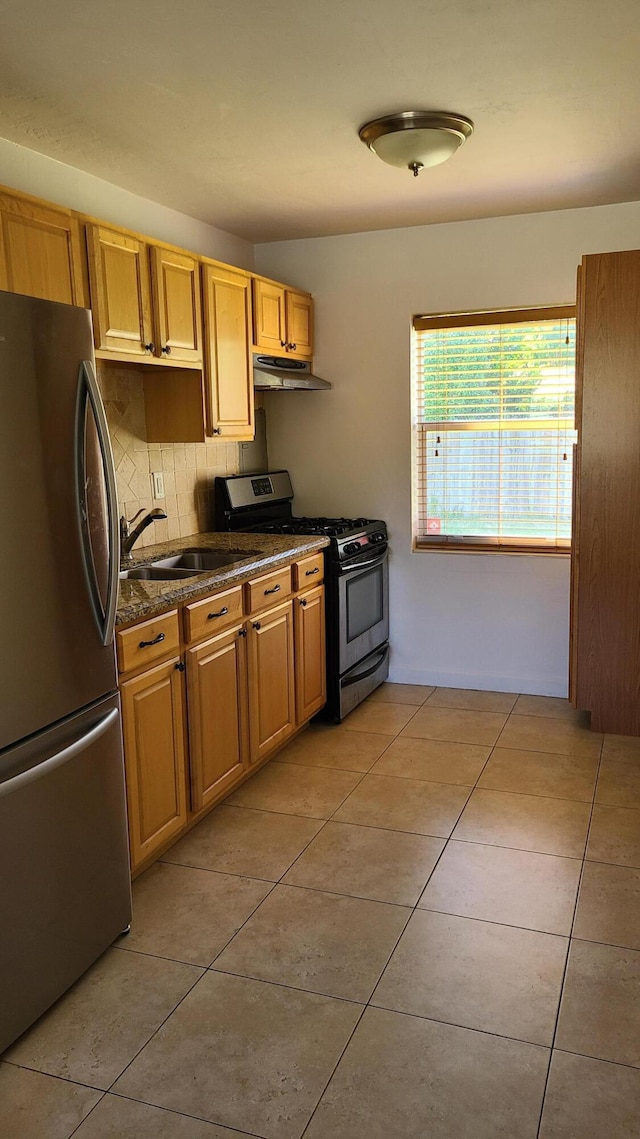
23,169
464,620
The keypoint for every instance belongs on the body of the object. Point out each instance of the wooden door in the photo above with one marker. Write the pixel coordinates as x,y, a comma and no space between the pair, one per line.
40,251
272,713
217,700
309,645
120,292
176,299
154,748
269,317
299,324
227,322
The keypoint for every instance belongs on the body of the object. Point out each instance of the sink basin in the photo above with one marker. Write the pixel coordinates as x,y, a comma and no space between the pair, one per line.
154,573
198,561
186,564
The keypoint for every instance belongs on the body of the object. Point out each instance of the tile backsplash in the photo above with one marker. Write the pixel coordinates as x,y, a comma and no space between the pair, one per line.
188,468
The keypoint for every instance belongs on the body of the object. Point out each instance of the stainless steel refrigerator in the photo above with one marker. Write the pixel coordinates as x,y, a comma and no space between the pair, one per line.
64,869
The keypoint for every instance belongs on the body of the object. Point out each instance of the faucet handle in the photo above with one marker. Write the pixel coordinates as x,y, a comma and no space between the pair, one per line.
125,524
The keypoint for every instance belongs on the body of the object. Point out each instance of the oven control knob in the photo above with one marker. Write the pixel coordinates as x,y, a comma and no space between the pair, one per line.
351,548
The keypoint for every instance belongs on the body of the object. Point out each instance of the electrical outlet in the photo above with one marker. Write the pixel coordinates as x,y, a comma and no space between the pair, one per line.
157,478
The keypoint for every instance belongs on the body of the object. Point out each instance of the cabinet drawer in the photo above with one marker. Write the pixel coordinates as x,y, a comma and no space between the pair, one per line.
148,641
268,589
213,615
308,571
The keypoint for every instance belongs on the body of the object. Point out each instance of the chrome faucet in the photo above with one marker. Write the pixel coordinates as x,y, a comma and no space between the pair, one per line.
129,537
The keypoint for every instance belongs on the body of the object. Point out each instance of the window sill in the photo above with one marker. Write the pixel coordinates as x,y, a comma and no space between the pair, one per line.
469,548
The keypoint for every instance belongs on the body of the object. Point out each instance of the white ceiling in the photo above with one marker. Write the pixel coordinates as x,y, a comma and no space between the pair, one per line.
245,113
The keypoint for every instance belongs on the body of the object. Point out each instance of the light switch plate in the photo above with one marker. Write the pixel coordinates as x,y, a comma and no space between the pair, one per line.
157,478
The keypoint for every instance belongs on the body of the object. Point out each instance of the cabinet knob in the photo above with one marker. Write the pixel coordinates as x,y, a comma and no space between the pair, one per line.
303,601
292,346
256,625
180,666
216,431
150,347
167,350
242,632
283,344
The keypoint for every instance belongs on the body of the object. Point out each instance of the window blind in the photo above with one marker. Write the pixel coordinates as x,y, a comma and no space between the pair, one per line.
493,399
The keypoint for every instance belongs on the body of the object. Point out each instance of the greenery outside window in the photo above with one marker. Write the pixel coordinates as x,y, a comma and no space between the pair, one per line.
493,427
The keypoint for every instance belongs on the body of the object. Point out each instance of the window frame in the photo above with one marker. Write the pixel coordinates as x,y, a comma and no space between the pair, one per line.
455,544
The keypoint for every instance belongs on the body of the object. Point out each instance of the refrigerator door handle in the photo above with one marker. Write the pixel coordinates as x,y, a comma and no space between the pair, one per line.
15,782
105,614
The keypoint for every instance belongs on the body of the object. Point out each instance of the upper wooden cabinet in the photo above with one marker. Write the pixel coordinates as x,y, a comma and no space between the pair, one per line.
145,299
605,616
176,302
40,251
120,292
282,320
228,371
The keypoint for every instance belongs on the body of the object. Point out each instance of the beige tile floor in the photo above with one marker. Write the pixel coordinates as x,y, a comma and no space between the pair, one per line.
424,922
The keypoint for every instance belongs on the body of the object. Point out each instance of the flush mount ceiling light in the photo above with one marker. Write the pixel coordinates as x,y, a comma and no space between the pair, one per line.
416,139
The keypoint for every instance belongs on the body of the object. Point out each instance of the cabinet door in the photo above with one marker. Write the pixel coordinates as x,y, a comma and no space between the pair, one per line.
217,700
272,714
120,292
40,251
269,317
299,324
227,321
154,749
176,299
311,686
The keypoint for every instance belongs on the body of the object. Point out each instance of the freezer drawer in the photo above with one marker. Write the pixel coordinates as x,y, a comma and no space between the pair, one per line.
64,884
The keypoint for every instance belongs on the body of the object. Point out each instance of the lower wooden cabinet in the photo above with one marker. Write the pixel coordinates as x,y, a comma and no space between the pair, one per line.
217,698
155,759
272,709
311,681
248,689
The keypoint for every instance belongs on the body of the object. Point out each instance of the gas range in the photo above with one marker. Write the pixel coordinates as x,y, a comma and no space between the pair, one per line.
262,504
356,584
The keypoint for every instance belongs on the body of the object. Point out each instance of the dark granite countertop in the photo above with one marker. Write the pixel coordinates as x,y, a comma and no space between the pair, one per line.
264,552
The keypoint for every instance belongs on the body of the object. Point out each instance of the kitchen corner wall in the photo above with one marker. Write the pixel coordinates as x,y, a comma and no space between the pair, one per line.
462,620
188,468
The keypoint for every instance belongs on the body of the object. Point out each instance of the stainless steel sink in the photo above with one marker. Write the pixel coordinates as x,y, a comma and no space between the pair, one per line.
186,564
154,573
200,560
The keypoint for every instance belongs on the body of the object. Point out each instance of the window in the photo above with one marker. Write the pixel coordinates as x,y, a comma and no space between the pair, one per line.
493,403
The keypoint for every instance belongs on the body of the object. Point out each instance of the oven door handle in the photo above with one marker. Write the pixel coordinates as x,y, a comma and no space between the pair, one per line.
382,654
354,567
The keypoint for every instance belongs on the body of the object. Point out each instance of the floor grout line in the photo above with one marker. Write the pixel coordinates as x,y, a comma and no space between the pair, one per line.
566,964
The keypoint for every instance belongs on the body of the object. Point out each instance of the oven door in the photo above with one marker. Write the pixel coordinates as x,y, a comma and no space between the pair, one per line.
363,607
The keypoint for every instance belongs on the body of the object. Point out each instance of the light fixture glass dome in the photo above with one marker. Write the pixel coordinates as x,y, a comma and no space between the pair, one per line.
415,139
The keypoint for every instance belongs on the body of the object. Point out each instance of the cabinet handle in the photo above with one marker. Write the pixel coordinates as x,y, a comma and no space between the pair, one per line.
276,589
167,349
256,625
221,613
155,641
242,632
303,601
150,347
180,666
310,573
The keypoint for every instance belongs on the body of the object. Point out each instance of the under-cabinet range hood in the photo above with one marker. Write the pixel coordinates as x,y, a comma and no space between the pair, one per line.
278,374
